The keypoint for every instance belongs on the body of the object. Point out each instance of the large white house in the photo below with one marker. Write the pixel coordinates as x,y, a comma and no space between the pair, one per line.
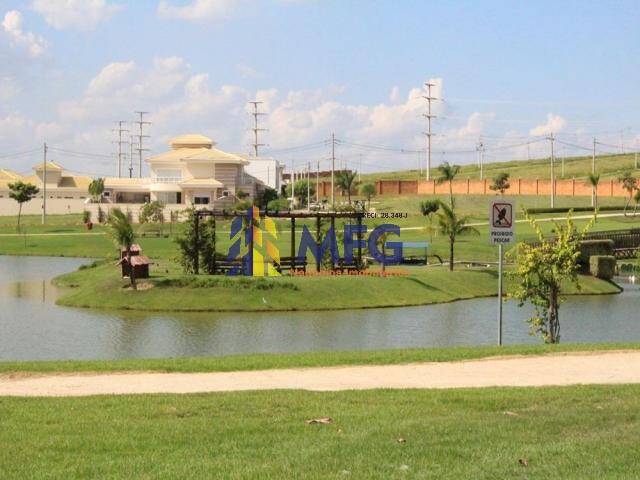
192,172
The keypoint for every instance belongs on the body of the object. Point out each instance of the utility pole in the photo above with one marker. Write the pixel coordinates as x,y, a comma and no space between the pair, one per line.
292,182
308,187
636,152
553,175
333,168
44,184
593,156
256,129
131,143
480,149
318,183
120,130
141,123
428,133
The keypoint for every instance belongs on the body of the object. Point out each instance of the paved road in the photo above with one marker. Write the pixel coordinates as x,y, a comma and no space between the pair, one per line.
614,367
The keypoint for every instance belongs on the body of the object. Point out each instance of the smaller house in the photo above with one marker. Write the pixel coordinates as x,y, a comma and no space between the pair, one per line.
140,264
135,250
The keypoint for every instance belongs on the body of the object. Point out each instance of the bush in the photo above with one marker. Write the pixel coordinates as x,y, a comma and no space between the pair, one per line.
86,216
534,211
603,266
281,204
590,248
265,196
242,206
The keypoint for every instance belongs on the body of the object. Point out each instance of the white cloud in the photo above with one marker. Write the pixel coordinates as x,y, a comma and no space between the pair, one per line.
554,124
111,77
198,10
247,72
12,25
78,14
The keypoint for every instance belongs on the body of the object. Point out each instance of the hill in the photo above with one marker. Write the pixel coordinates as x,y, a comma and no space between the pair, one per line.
609,166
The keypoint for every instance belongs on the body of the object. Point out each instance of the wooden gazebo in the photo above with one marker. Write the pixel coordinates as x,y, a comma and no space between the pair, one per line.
292,216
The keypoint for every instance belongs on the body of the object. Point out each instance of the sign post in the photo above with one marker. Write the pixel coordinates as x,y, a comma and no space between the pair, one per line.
501,232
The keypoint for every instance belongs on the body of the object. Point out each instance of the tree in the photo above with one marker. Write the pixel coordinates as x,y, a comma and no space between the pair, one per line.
241,194
500,183
593,179
368,190
630,184
636,202
453,226
541,271
22,192
447,174
428,208
345,181
265,196
121,231
96,189
301,189
197,244
151,212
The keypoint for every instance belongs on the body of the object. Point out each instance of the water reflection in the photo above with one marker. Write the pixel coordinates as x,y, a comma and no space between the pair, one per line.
32,327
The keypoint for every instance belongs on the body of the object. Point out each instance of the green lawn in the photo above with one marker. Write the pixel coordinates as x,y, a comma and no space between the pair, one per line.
173,291
580,432
82,243
234,363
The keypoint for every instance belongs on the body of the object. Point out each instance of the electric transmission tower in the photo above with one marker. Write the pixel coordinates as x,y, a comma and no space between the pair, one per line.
141,124
429,98
256,128
120,142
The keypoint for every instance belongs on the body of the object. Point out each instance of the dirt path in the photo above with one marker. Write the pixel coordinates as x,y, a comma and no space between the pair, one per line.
563,369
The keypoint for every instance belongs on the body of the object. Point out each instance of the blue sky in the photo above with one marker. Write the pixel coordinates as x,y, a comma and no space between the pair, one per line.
507,71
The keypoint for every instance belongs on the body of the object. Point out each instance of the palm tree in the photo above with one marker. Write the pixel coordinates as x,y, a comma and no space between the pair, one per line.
428,208
345,181
630,184
123,235
453,226
447,174
368,190
594,179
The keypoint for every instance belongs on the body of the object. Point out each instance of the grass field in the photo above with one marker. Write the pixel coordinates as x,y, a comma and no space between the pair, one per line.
301,360
609,166
172,291
65,236
581,432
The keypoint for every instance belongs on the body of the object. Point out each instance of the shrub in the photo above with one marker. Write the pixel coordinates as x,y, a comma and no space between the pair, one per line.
86,216
280,204
265,196
609,208
602,266
242,206
101,215
590,248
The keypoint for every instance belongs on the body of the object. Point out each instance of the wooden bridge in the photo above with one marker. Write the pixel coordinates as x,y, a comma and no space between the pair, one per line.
626,243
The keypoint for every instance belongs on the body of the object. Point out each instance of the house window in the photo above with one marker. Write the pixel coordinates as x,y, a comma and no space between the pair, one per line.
201,200
226,193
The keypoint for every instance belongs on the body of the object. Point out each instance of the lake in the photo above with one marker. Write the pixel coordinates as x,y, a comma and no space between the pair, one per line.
32,327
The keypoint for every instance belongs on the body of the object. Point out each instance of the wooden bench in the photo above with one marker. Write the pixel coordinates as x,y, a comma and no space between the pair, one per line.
343,265
291,263
224,266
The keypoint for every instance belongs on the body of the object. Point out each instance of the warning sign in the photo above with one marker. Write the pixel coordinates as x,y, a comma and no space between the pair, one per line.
502,222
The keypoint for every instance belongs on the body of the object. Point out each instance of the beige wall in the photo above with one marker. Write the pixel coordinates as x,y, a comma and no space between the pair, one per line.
55,206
